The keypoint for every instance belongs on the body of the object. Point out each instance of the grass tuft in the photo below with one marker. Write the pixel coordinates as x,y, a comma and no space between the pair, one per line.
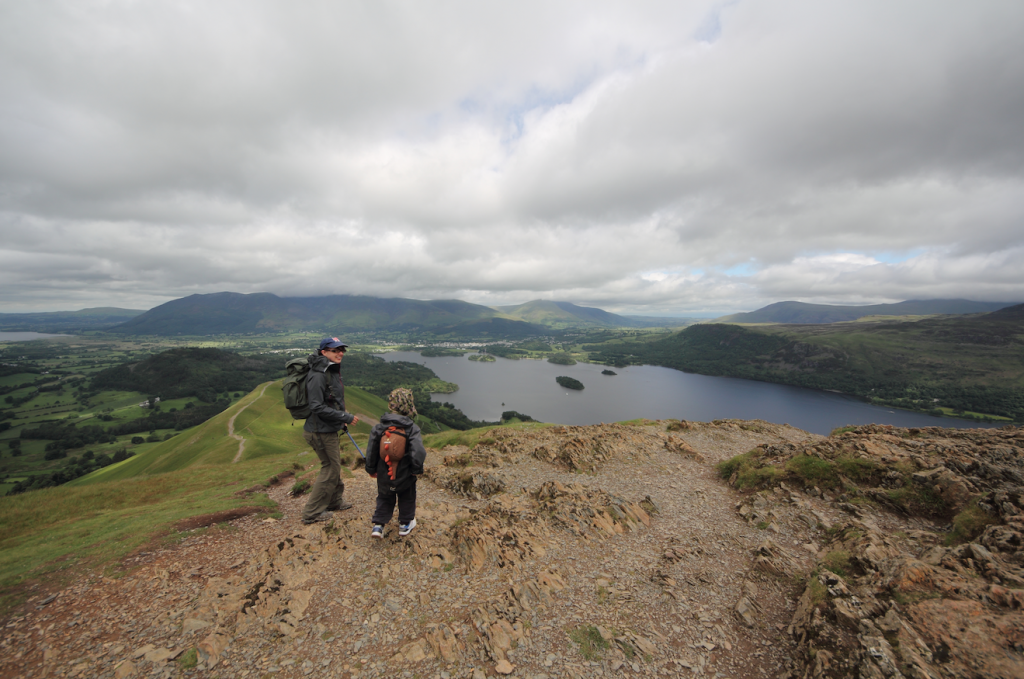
590,641
969,524
188,659
838,562
748,470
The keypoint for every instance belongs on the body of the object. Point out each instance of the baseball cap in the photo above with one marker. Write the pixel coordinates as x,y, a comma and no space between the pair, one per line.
331,343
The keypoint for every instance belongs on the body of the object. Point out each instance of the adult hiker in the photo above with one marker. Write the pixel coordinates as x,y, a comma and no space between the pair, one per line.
327,417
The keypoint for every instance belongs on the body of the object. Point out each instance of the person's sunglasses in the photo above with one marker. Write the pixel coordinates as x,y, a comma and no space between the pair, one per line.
339,350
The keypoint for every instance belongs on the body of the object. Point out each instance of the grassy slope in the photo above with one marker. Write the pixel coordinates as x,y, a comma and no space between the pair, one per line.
130,503
49,532
262,420
800,312
563,315
930,351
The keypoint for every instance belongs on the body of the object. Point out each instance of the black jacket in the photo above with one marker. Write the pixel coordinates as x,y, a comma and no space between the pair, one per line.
326,396
409,466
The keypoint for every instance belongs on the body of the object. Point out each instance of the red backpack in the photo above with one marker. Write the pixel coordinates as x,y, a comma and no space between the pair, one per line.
392,448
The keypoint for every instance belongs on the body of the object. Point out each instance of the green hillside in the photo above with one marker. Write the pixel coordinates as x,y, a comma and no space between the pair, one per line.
50,533
564,315
800,312
944,365
260,418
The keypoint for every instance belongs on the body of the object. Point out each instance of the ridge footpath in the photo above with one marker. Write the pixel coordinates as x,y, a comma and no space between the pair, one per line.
599,551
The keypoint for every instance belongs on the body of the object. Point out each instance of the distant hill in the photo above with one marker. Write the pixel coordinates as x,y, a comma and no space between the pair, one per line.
97,318
233,313
230,312
661,321
799,312
567,314
1010,313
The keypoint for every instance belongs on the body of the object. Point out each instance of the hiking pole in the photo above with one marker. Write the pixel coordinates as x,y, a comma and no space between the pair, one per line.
354,443
355,463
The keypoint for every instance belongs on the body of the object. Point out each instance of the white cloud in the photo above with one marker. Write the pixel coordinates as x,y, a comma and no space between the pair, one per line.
624,156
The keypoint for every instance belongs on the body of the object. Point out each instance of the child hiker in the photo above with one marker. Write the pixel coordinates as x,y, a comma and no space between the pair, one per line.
394,456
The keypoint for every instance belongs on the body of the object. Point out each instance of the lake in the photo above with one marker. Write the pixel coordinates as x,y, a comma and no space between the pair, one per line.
529,387
25,336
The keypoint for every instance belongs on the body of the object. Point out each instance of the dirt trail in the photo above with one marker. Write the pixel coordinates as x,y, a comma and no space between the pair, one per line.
231,425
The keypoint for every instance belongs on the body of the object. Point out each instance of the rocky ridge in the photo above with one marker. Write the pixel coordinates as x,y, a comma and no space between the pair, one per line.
892,594
610,550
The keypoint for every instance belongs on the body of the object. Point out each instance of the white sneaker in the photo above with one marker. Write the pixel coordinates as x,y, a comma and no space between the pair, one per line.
406,528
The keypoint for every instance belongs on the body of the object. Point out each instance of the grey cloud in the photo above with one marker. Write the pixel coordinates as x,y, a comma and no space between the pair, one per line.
593,152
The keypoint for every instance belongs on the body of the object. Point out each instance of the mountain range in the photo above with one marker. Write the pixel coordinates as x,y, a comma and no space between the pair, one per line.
97,318
232,313
229,312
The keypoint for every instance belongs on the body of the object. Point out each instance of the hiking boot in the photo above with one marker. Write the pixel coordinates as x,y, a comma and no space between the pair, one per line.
406,528
378,531
341,507
322,516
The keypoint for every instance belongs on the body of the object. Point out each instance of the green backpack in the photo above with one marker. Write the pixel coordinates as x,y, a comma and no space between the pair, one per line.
294,387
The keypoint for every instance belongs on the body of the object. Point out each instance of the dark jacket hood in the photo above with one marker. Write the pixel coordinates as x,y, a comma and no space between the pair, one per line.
395,419
321,363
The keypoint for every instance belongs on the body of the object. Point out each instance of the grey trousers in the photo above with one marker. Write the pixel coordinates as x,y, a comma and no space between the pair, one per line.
328,487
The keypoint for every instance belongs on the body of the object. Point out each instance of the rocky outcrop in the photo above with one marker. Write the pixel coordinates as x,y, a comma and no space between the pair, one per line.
509,532
927,604
581,449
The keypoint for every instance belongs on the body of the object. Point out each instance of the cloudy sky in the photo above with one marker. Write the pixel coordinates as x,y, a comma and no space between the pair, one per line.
651,158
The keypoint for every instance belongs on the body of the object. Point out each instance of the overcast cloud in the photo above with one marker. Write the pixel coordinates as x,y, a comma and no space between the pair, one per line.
649,158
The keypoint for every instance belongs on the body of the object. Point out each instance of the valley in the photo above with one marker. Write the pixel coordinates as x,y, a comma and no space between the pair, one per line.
201,512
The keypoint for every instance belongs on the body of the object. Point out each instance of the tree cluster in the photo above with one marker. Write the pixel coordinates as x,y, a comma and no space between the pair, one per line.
513,415
202,373
569,382
76,466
